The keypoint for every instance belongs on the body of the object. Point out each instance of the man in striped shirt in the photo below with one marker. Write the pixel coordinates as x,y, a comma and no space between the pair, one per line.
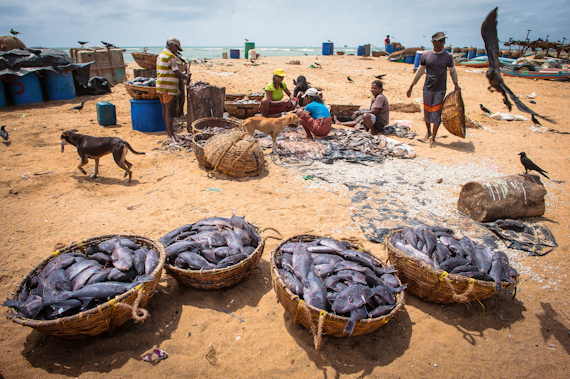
167,76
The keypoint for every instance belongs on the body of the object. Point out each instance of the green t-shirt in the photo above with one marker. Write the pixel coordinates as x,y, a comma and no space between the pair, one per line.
277,92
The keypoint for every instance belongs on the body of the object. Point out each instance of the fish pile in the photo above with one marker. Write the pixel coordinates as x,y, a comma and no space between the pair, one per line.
330,275
437,247
245,101
197,85
74,282
212,243
146,82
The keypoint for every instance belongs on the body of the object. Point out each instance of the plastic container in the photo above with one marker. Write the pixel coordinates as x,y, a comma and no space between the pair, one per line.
248,47
224,55
146,116
366,50
234,53
472,54
360,51
26,89
481,54
59,85
328,48
389,48
106,114
2,94
409,60
418,59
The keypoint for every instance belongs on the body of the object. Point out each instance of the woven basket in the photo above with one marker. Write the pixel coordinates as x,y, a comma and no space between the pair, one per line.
340,53
235,153
104,317
435,285
241,111
328,323
453,114
146,60
220,278
141,92
8,43
375,53
234,96
199,150
199,125
343,110
256,96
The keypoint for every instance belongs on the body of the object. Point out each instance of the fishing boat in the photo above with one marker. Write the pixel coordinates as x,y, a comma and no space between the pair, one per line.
482,61
540,73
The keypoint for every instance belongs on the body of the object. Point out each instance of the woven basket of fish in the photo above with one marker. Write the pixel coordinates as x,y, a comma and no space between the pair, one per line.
213,253
453,114
235,153
198,142
257,96
334,287
213,125
439,268
242,109
339,110
146,60
234,96
89,287
141,92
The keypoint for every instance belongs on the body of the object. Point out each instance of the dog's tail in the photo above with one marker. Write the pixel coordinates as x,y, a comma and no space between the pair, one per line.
131,149
241,125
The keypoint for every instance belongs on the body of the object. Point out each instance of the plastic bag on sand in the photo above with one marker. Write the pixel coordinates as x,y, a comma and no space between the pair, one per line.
508,117
400,149
405,123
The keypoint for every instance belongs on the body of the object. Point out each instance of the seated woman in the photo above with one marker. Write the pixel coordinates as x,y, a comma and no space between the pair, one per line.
273,102
375,118
315,117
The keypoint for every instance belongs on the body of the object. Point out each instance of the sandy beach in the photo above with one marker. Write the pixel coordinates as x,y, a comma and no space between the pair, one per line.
45,201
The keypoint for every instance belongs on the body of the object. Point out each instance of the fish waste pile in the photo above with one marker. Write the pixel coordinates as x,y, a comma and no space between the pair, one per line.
140,81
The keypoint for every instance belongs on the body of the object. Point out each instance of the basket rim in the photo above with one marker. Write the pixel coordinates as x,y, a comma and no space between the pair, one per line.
329,315
249,105
80,245
436,271
204,119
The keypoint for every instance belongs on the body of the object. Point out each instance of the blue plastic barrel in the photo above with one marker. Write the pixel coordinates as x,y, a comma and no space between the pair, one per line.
418,59
481,54
448,50
146,116
389,48
26,89
106,114
60,86
360,51
328,48
2,94
472,54
409,60
234,53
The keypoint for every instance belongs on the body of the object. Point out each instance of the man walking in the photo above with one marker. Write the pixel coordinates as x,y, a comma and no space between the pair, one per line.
167,77
435,63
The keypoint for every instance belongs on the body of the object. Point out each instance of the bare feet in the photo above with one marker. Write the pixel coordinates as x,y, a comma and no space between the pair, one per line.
427,137
432,142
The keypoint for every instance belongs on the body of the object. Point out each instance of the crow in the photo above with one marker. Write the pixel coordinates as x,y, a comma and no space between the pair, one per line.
485,109
380,76
329,40
246,40
14,33
535,120
530,166
78,107
489,34
318,65
4,134
349,79
108,45
82,43
345,45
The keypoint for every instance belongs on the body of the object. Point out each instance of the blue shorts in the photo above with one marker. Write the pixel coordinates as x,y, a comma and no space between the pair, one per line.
433,104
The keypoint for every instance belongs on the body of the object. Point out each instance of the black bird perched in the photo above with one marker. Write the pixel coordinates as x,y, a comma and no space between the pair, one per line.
535,120
78,107
530,166
14,33
345,45
350,80
489,34
485,109
4,134
82,43
318,65
380,76
246,40
108,45
329,40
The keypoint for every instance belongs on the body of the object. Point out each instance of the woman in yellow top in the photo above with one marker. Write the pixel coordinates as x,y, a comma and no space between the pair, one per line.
273,102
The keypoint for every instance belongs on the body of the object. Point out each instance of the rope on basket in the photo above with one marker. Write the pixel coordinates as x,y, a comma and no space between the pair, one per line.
275,230
139,314
241,155
464,297
316,331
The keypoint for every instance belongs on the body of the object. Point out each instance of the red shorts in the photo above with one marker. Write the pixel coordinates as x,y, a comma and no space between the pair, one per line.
276,110
320,127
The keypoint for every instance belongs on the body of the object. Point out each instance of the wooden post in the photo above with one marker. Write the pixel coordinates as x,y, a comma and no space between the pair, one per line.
512,197
205,101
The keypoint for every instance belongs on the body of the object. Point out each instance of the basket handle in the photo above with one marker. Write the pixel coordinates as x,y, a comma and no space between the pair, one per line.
138,314
275,230
463,297
317,331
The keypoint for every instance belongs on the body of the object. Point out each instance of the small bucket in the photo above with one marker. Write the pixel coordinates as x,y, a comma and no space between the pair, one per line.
106,114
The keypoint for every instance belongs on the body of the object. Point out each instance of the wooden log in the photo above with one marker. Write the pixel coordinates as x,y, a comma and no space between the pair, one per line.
507,197
205,101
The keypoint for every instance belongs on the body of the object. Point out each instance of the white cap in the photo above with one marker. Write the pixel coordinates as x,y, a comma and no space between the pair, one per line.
311,92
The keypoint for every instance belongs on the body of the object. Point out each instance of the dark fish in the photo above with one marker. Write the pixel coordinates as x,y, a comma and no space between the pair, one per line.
390,280
334,244
165,240
477,275
414,253
454,246
238,222
209,239
129,243
180,263
255,237
349,265
291,282
442,253
319,259
109,245
195,261
330,282
496,272
139,258
419,232
459,270
224,251
152,259
92,250
249,250
385,294
319,249
324,270
123,258
410,237
233,240
58,281
178,247
182,237
381,310
287,262
431,240
288,247
104,290
351,298
122,276
75,269
352,276
451,263
102,258
467,245
355,316
483,257
315,294
84,276
302,263
211,256
222,222
100,276
63,308
24,292
29,308
506,266
61,262
244,236
371,278
231,260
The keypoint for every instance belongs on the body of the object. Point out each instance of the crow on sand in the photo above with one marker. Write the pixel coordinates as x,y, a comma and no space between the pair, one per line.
530,166
78,107
485,109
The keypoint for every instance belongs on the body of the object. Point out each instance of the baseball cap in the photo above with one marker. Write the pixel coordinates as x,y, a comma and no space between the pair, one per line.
174,41
311,92
279,72
438,36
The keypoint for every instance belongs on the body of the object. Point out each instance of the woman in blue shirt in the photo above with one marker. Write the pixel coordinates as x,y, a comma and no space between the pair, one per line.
315,117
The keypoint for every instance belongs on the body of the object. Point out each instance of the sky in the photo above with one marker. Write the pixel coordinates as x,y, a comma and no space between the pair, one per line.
61,23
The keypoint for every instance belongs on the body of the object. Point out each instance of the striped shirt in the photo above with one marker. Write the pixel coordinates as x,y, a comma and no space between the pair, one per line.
166,81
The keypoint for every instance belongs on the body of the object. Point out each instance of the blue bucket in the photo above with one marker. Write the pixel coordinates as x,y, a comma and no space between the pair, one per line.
409,59
60,86
2,94
328,48
389,48
26,89
472,54
418,59
234,53
106,114
146,116
360,51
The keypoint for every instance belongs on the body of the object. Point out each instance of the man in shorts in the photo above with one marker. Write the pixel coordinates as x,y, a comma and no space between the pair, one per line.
167,77
435,63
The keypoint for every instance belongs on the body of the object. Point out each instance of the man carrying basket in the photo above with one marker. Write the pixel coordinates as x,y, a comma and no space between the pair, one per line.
435,64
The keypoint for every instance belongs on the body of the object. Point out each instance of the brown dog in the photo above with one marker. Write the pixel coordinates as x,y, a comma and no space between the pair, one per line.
96,147
269,126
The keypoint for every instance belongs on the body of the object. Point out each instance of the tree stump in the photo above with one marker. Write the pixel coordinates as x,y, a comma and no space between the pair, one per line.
205,101
512,197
